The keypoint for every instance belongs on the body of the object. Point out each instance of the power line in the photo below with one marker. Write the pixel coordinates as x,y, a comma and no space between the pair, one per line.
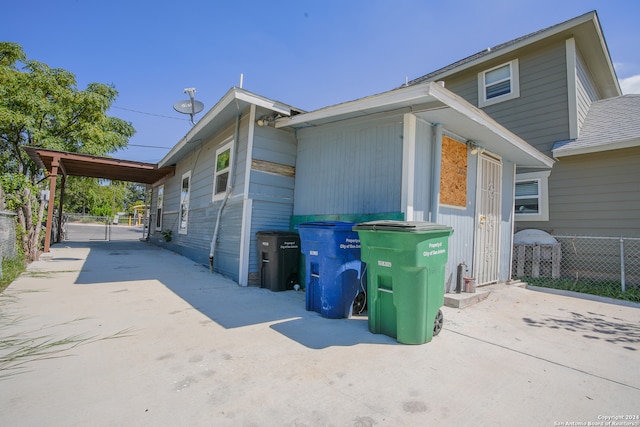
149,114
147,146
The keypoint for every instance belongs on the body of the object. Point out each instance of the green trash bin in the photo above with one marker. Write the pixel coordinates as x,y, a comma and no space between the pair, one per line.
405,267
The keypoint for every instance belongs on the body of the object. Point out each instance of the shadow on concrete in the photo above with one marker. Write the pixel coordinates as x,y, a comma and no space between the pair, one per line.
219,298
316,332
595,326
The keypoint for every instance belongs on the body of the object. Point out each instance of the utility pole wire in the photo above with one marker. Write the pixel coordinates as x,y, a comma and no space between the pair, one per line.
149,114
148,146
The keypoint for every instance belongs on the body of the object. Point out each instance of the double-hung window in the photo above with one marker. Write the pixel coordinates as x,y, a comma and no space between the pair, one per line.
531,198
222,172
528,197
499,84
184,203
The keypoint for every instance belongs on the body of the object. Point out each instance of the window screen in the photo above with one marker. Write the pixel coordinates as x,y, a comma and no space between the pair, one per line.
528,197
221,174
498,82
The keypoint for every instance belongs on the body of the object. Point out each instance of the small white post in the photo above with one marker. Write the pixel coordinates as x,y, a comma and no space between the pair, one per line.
622,276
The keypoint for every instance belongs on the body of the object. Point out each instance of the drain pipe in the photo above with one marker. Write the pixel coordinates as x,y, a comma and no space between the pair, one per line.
227,194
462,268
435,177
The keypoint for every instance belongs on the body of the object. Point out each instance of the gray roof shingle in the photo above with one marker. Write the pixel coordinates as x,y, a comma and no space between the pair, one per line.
609,121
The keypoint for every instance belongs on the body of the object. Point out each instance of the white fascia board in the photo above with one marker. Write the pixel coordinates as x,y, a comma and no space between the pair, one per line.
630,143
259,101
361,106
458,104
210,115
231,99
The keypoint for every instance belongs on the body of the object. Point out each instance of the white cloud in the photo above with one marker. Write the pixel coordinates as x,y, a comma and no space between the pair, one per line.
630,85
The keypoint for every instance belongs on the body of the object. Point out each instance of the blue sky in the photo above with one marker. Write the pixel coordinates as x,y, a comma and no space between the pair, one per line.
308,54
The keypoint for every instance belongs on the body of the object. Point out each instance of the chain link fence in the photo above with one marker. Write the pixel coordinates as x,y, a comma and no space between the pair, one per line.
605,266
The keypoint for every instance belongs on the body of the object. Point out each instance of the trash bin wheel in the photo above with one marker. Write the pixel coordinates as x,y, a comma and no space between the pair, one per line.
360,303
291,281
437,324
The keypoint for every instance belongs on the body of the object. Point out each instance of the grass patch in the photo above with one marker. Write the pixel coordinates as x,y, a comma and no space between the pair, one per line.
11,268
609,289
19,349
16,351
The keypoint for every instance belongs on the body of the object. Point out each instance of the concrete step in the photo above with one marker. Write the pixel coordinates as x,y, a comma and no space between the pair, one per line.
465,299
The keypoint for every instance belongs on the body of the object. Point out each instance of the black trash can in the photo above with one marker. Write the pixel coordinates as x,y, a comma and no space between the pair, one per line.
279,258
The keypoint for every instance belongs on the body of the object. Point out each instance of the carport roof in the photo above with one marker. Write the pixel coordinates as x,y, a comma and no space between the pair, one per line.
74,164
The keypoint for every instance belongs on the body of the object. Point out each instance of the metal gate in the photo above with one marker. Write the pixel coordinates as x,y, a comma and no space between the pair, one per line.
487,239
85,228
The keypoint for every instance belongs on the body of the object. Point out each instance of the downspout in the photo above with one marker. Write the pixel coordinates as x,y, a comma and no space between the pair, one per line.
227,193
435,167
513,224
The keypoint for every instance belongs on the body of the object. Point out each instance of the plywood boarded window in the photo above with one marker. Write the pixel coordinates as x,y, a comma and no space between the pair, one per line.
453,184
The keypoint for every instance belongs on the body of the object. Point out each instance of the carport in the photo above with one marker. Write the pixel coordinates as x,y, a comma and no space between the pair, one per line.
83,165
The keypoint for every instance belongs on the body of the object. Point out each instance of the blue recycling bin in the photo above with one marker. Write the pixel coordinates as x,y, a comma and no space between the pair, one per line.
333,273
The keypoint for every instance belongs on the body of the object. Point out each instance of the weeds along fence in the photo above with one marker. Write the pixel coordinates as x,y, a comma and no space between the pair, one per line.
606,266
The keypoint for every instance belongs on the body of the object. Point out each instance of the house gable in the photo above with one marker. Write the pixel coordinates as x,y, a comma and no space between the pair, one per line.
561,71
584,28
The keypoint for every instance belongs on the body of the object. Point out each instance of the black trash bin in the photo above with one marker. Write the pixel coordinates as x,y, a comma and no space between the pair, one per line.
279,257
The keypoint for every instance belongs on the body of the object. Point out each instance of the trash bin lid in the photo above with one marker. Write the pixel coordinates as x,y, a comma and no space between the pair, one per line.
402,226
277,233
334,225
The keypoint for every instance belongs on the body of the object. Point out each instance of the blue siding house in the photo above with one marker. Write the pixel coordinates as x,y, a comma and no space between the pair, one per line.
234,176
418,153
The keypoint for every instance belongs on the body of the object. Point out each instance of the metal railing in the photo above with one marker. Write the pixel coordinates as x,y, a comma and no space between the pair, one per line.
606,266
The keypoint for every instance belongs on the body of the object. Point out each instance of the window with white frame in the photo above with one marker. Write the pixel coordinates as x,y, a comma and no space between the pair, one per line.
184,203
531,196
159,202
499,84
222,170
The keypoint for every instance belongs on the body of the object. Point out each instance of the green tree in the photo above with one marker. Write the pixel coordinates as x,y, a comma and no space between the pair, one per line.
135,195
80,194
42,106
91,196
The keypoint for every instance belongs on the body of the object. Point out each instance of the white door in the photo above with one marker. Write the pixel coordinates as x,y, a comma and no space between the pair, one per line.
487,240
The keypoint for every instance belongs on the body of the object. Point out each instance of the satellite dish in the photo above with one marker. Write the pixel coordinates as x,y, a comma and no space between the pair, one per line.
190,106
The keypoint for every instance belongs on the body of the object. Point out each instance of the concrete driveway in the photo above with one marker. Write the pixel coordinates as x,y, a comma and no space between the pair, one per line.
156,340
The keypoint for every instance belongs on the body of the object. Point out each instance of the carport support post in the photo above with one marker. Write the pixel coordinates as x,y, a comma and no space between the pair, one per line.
52,195
62,187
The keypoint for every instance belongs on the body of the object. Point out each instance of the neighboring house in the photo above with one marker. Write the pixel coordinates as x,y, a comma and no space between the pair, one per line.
598,174
557,90
418,153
